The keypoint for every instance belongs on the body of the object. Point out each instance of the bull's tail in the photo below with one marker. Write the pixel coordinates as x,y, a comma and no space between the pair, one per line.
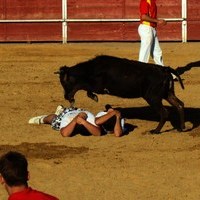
181,70
172,71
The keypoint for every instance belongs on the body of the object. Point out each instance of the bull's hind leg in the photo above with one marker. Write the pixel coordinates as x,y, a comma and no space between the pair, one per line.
174,101
161,110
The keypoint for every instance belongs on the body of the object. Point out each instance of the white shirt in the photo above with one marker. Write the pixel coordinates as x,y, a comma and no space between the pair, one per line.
69,116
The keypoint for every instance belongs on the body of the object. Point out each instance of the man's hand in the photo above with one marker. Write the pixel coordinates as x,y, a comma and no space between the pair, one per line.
161,22
117,114
81,118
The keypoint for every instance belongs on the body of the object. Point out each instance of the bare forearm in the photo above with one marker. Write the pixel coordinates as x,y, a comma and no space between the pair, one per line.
149,19
94,130
101,120
67,130
117,127
154,20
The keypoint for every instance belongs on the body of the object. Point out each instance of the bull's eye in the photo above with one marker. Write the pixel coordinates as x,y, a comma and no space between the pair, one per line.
65,78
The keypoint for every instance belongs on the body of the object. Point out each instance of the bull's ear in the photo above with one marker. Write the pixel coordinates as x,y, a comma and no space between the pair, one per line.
63,74
62,70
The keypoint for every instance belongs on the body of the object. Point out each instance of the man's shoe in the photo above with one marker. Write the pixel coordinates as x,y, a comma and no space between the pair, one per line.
37,120
59,109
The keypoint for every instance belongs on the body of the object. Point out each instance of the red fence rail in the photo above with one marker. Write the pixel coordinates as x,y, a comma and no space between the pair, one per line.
93,20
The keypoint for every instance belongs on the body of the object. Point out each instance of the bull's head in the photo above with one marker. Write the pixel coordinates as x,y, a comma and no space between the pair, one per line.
68,84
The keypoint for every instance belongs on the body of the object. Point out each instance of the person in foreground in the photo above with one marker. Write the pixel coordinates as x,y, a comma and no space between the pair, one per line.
70,121
14,176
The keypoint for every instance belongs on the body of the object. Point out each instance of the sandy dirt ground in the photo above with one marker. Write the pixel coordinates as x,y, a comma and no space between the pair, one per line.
137,166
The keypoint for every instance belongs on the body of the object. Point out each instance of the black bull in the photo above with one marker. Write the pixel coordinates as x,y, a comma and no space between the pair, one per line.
124,78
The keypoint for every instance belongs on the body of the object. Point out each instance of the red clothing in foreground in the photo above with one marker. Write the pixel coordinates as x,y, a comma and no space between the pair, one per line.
30,194
148,7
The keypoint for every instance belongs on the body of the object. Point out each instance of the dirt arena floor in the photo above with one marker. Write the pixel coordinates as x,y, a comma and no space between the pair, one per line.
137,166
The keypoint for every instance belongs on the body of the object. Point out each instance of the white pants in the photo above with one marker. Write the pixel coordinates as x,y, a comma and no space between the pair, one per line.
149,45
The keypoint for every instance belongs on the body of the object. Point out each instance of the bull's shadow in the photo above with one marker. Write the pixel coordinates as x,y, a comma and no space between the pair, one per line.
192,115
189,66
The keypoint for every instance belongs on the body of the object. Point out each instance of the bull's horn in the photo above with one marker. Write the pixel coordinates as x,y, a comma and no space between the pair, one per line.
58,72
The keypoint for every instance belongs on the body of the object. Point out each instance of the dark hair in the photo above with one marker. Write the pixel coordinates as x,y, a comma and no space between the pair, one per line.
13,168
109,124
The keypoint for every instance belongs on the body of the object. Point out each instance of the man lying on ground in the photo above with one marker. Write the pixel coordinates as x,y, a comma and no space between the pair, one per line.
73,120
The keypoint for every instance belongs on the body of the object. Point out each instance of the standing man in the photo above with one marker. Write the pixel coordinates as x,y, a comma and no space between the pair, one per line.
148,34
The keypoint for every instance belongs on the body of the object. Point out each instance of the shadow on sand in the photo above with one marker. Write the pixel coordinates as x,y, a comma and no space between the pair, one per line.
192,115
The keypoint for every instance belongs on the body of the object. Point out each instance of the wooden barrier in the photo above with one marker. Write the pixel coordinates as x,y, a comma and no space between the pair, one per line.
93,20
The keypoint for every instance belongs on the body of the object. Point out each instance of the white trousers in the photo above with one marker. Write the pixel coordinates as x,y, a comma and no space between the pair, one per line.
149,45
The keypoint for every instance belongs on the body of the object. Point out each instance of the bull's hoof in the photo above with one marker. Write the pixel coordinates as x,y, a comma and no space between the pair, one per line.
179,129
95,98
184,129
72,102
92,96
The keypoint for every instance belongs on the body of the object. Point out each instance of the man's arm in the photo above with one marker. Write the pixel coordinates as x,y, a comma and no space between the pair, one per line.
81,120
101,120
147,18
94,130
67,130
117,130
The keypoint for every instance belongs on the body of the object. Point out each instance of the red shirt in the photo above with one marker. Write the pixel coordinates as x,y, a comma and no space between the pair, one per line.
148,7
30,194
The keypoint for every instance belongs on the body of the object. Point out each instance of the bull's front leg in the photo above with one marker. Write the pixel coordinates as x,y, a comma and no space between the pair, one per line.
70,98
92,96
